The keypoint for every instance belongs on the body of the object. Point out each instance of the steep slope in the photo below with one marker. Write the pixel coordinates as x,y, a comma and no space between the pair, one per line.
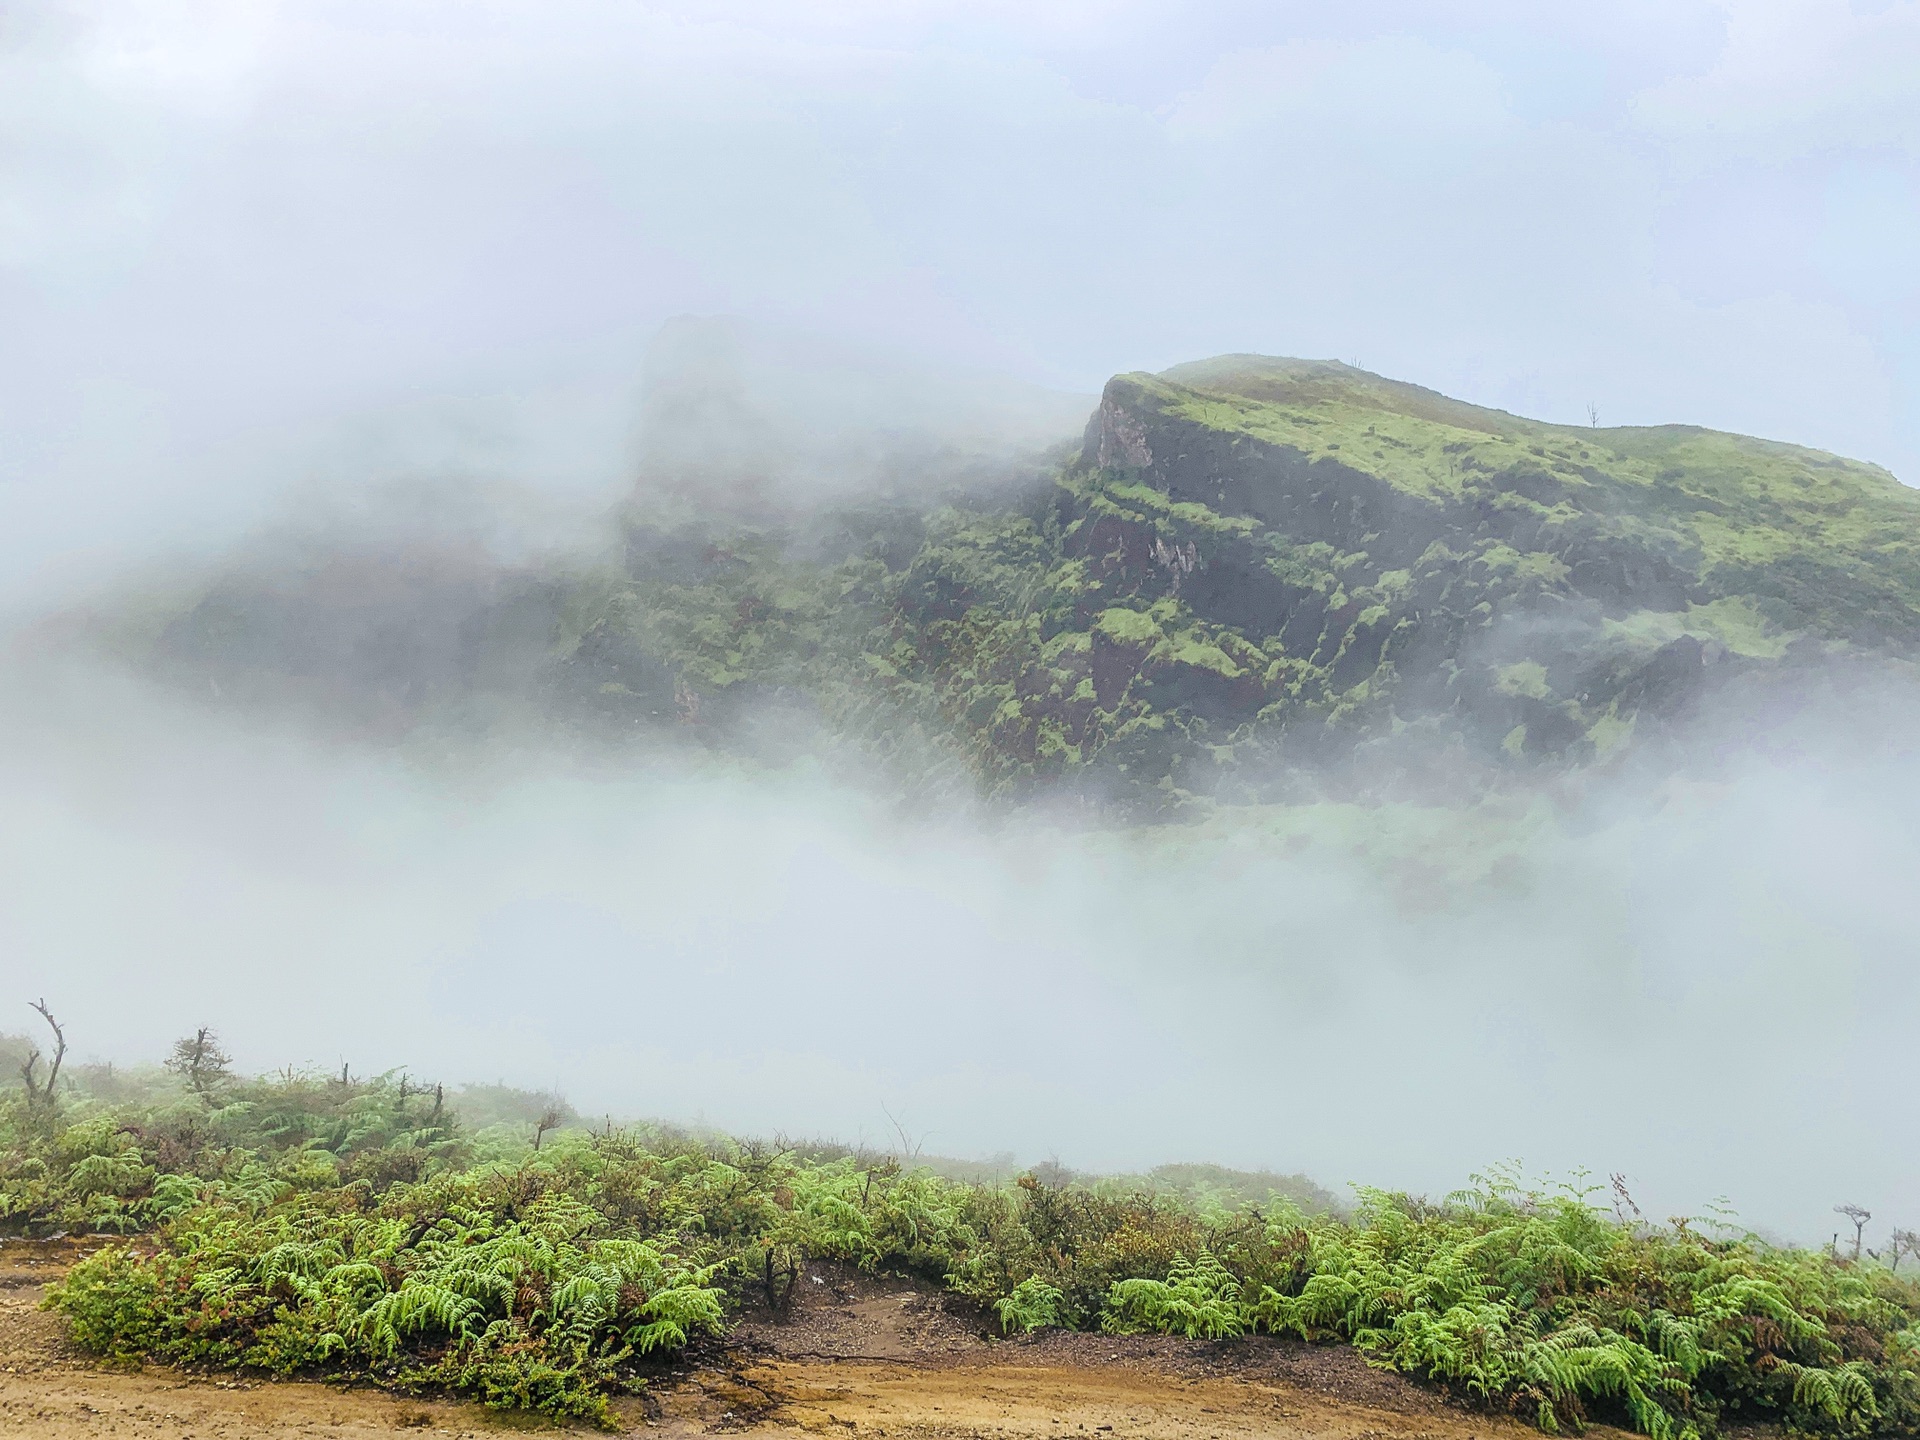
1250,568
1249,549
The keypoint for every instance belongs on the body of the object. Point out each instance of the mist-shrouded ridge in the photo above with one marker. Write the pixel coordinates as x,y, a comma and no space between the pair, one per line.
1254,580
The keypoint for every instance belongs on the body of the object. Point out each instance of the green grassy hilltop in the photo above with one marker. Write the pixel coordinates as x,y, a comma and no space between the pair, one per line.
1250,565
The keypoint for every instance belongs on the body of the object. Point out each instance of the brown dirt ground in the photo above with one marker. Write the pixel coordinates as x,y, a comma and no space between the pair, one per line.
857,1356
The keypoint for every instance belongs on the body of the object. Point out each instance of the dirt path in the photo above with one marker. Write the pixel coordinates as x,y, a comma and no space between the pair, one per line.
857,1357
1004,1401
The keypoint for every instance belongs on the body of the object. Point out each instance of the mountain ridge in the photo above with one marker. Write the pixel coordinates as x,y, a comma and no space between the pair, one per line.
1252,568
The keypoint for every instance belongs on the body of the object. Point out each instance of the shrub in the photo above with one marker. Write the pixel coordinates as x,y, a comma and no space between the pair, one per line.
1199,1299
1032,1305
542,1280
451,1286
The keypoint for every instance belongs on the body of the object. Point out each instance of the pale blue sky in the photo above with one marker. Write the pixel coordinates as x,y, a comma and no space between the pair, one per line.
221,219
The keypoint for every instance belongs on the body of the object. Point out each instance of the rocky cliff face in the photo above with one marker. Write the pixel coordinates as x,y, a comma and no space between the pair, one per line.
1268,552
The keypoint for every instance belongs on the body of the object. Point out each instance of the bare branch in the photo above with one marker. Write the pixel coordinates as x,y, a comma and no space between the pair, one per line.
1623,1200
909,1147
1859,1216
45,1092
1904,1242
552,1118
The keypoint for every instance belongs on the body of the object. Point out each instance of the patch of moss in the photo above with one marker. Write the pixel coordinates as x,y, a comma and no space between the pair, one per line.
1127,627
1526,679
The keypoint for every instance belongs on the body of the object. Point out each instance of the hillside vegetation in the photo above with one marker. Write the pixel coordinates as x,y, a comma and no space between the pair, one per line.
328,1225
1250,568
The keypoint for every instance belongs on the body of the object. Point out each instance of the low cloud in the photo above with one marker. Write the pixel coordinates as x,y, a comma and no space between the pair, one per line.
1702,985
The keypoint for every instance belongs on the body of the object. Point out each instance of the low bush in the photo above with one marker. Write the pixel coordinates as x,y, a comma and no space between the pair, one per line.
462,1283
543,1278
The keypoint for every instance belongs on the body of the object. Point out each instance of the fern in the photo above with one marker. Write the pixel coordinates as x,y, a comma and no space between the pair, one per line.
417,1307
675,1315
1843,1395
1032,1305
1199,1299
540,1280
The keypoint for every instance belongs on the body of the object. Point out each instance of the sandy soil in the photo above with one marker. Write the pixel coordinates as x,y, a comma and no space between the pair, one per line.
857,1356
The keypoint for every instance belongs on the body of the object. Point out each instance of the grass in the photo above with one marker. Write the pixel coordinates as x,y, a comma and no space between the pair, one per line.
1738,501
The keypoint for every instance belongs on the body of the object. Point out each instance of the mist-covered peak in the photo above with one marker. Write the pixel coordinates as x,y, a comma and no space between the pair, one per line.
1255,575
742,416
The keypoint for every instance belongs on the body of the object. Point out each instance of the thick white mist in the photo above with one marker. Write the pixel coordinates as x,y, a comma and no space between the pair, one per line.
1714,993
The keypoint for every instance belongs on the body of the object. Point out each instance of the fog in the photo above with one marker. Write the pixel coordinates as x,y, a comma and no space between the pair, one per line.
263,264
224,223
1712,992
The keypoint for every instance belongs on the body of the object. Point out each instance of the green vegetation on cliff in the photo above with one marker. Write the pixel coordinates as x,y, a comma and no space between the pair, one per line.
1251,566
